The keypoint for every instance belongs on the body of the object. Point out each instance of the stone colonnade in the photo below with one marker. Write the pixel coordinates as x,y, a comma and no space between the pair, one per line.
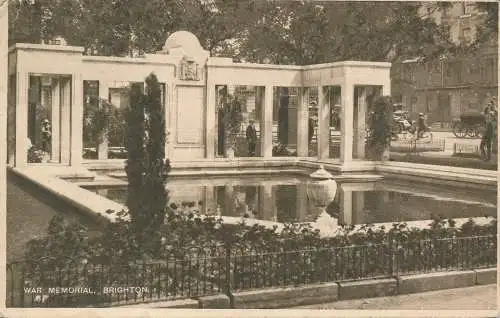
190,77
354,79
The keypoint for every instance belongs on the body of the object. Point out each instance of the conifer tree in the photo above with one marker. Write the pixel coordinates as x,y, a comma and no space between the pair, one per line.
146,166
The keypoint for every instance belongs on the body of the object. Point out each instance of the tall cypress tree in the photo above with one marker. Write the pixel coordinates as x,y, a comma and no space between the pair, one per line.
146,166
156,165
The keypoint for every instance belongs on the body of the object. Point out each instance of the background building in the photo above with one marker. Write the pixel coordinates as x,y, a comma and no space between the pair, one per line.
445,88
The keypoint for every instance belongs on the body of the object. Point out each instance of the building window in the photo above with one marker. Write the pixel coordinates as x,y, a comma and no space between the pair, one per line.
457,72
468,8
413,102
449,70
411,74
473,68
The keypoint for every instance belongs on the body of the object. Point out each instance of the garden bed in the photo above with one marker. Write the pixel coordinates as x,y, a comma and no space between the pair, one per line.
452,161
205,257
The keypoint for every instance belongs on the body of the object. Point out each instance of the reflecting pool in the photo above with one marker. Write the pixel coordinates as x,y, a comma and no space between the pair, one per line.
284,199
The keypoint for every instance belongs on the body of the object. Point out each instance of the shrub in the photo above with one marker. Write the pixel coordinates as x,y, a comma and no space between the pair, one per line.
232,118
103,120
380,123
35,155
197,250
146,166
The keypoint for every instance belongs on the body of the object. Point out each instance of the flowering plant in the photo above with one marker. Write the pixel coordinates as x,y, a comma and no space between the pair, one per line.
35,155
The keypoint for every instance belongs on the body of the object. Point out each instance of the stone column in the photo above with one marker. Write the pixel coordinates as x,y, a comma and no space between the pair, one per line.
76,120
302,202
66,120
323,125
56,121
360,123
346,206
102,146
166,116
386,88
358,207
346,126
209,202
292,126
22,85
210,125
267,202
266,122
303,123
228,209
386,91
384,195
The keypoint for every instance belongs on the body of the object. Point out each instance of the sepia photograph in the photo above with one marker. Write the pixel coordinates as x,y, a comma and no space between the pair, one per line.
249,154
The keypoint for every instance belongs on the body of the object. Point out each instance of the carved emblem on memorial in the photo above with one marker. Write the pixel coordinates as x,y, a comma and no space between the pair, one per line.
189,70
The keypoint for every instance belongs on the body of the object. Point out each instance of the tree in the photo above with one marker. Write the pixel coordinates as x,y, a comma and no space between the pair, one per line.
146,165
380,122
231,120
282,32
489,30
24,22
306,32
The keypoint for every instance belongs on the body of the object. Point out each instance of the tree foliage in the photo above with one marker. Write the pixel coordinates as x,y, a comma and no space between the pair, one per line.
187,235
146,165
380,123
282,32
489,30
232,118
101,119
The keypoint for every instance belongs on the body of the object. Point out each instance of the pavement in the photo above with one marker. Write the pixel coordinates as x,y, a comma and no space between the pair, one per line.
436,157
469,298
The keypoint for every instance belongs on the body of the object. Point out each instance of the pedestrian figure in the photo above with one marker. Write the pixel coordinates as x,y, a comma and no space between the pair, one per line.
46,137
493,102
488,109
421,126
488,136
251,138
311,129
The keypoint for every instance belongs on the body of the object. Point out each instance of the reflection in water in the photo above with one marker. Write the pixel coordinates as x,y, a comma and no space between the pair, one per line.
353,204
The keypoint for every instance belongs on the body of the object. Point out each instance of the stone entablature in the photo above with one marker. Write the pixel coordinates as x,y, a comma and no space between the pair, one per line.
190,77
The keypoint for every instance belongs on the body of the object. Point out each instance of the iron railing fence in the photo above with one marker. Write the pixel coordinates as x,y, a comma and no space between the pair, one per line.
294,268
416,146
458,253
234,269
35,285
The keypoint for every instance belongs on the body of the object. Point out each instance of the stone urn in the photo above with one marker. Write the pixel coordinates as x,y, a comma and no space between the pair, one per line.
321,191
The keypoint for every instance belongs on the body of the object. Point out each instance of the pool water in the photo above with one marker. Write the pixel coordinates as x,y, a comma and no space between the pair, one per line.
284,199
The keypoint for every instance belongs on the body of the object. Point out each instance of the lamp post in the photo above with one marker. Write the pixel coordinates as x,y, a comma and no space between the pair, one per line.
321,190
